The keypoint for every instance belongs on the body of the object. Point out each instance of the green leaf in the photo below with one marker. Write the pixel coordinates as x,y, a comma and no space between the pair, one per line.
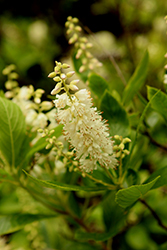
12,132
64,186
97,84
127,197
137,80
138,128
115,114
160,101
15,222
113,214
162,172
73,205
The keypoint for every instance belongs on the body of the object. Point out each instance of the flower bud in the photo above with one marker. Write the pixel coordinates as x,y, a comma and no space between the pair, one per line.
57,89
73,39
126,152
70,74
82,46
46,105
75,20
79,53
126,140
73,87
121,146
65,66
48,146
39,91
83,39
88,54
82,68
52,74
40,130
57,79
89,45
78,28
117,137
74,82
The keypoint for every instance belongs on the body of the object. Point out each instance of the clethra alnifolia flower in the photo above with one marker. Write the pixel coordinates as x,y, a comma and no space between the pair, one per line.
85,129
82,45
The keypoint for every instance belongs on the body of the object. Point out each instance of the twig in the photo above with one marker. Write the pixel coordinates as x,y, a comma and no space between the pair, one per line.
160,223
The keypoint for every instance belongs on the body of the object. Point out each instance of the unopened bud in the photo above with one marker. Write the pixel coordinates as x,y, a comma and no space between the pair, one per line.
121,146
40,130
79,53
48,146
73,39
78,28
127,152
70,74
126,140
56,79
52,74
65,66
117,137
82,68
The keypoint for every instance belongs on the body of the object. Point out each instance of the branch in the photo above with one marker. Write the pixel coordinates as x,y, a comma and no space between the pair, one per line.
155,215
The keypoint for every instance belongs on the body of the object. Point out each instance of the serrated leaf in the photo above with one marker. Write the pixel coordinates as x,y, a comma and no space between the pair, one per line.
127,197
115,114
162,172
12,132
136,81
97,84
63,186
160,101
15,222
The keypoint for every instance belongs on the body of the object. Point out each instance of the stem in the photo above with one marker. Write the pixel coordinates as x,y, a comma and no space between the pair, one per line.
120,170
68,93
112,187
110,175
155,215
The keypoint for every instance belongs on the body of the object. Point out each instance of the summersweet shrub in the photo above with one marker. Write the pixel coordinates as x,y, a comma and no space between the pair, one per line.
76,162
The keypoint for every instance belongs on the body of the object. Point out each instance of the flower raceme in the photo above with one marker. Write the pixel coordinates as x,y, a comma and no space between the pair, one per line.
85,129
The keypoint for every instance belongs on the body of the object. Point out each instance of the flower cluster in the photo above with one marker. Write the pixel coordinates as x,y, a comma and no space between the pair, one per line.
119,149
82,45
29,100
61,78
84,129
58,153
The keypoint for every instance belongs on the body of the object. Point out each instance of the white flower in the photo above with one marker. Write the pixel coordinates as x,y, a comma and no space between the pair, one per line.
86,131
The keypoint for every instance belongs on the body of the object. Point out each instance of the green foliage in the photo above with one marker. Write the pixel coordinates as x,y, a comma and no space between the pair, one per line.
12,132
130,195
12,223
115,114
64,186
136,81
160,101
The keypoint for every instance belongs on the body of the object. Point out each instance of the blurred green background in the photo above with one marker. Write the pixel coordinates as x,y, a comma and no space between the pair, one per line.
32,35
